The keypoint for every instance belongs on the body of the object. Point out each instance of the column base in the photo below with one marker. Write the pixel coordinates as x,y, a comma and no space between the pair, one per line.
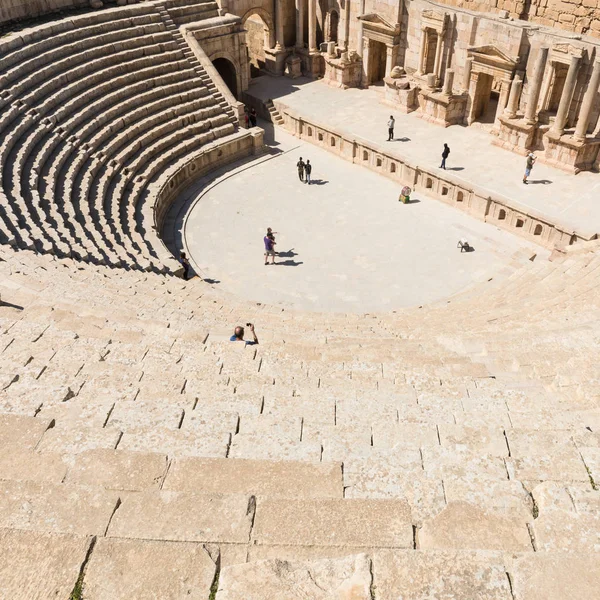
441,109
400,94
343,72
516,135
313,64
571,155
275,60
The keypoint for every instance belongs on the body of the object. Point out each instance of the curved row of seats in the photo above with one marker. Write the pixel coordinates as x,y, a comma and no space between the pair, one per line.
452,444
93,109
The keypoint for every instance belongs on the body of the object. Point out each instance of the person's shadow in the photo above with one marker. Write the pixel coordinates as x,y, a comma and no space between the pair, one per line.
542,181
288,254
318,181
455,169
288,263
10,305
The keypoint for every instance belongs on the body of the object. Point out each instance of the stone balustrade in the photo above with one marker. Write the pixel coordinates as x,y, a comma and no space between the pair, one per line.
478,201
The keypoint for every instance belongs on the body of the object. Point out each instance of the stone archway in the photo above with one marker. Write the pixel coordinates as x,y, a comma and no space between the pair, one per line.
228,73
260,39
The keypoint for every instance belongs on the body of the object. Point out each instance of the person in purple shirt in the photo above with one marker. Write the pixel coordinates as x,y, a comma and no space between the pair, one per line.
269,241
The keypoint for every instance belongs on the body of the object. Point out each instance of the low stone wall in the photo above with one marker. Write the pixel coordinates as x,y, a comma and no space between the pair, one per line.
215,155
479,202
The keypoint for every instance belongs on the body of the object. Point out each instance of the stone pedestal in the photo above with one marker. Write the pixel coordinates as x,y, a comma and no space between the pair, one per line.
275,60
400,94
293,66
569,154
516,135
442,109
313,64
342,72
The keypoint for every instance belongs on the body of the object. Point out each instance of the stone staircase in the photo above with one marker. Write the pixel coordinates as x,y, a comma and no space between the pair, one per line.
451,451
275,115
96,113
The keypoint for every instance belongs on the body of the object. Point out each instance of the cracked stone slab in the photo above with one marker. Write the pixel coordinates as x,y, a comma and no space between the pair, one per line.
19,432
269,478
32,466
179,516
129,414
552,495
347,578
176,442
505,497
40,565
391,435
56,508
474,439
76,412
272,446
591,458
440,575
462,526
146,570
555,576
563,465
118,469
561,531
532,442
74,439
324,522
458,462
424,495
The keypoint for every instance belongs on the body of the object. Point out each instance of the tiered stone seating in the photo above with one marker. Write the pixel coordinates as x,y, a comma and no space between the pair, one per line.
94,110
188,11
451,451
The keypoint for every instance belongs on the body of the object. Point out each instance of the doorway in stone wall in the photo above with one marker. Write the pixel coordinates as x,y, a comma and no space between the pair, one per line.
377,59
226,70
258,38
485,101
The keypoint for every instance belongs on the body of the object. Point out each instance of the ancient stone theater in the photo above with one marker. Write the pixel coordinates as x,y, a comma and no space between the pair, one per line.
299,300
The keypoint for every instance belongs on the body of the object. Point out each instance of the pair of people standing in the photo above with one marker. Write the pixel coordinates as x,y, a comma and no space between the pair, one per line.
304,170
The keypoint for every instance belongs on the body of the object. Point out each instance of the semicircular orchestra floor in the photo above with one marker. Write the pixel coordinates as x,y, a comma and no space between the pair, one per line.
345,243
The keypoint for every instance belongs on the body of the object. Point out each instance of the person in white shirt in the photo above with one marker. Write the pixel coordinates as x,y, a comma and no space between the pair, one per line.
391,123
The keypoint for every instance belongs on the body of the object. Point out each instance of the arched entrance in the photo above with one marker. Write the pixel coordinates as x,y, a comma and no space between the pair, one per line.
260,36
226,70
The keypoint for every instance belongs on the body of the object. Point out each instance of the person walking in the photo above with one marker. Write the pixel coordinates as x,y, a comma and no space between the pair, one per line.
445,155
300,164
253,117
269,241
185,263
307,171
246,118
391,124
531,158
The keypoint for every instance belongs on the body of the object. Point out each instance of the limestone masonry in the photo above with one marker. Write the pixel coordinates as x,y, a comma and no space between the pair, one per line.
446,451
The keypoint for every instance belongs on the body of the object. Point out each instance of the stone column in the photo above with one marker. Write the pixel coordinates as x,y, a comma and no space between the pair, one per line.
588,103
448,81
359,41
513,99
536,87
502,99
567,95
389,60
438,56
279,42
312,25
467,74
421,68
300,23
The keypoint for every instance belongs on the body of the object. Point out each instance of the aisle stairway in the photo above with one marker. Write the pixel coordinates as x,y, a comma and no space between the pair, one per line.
446,452
95,112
